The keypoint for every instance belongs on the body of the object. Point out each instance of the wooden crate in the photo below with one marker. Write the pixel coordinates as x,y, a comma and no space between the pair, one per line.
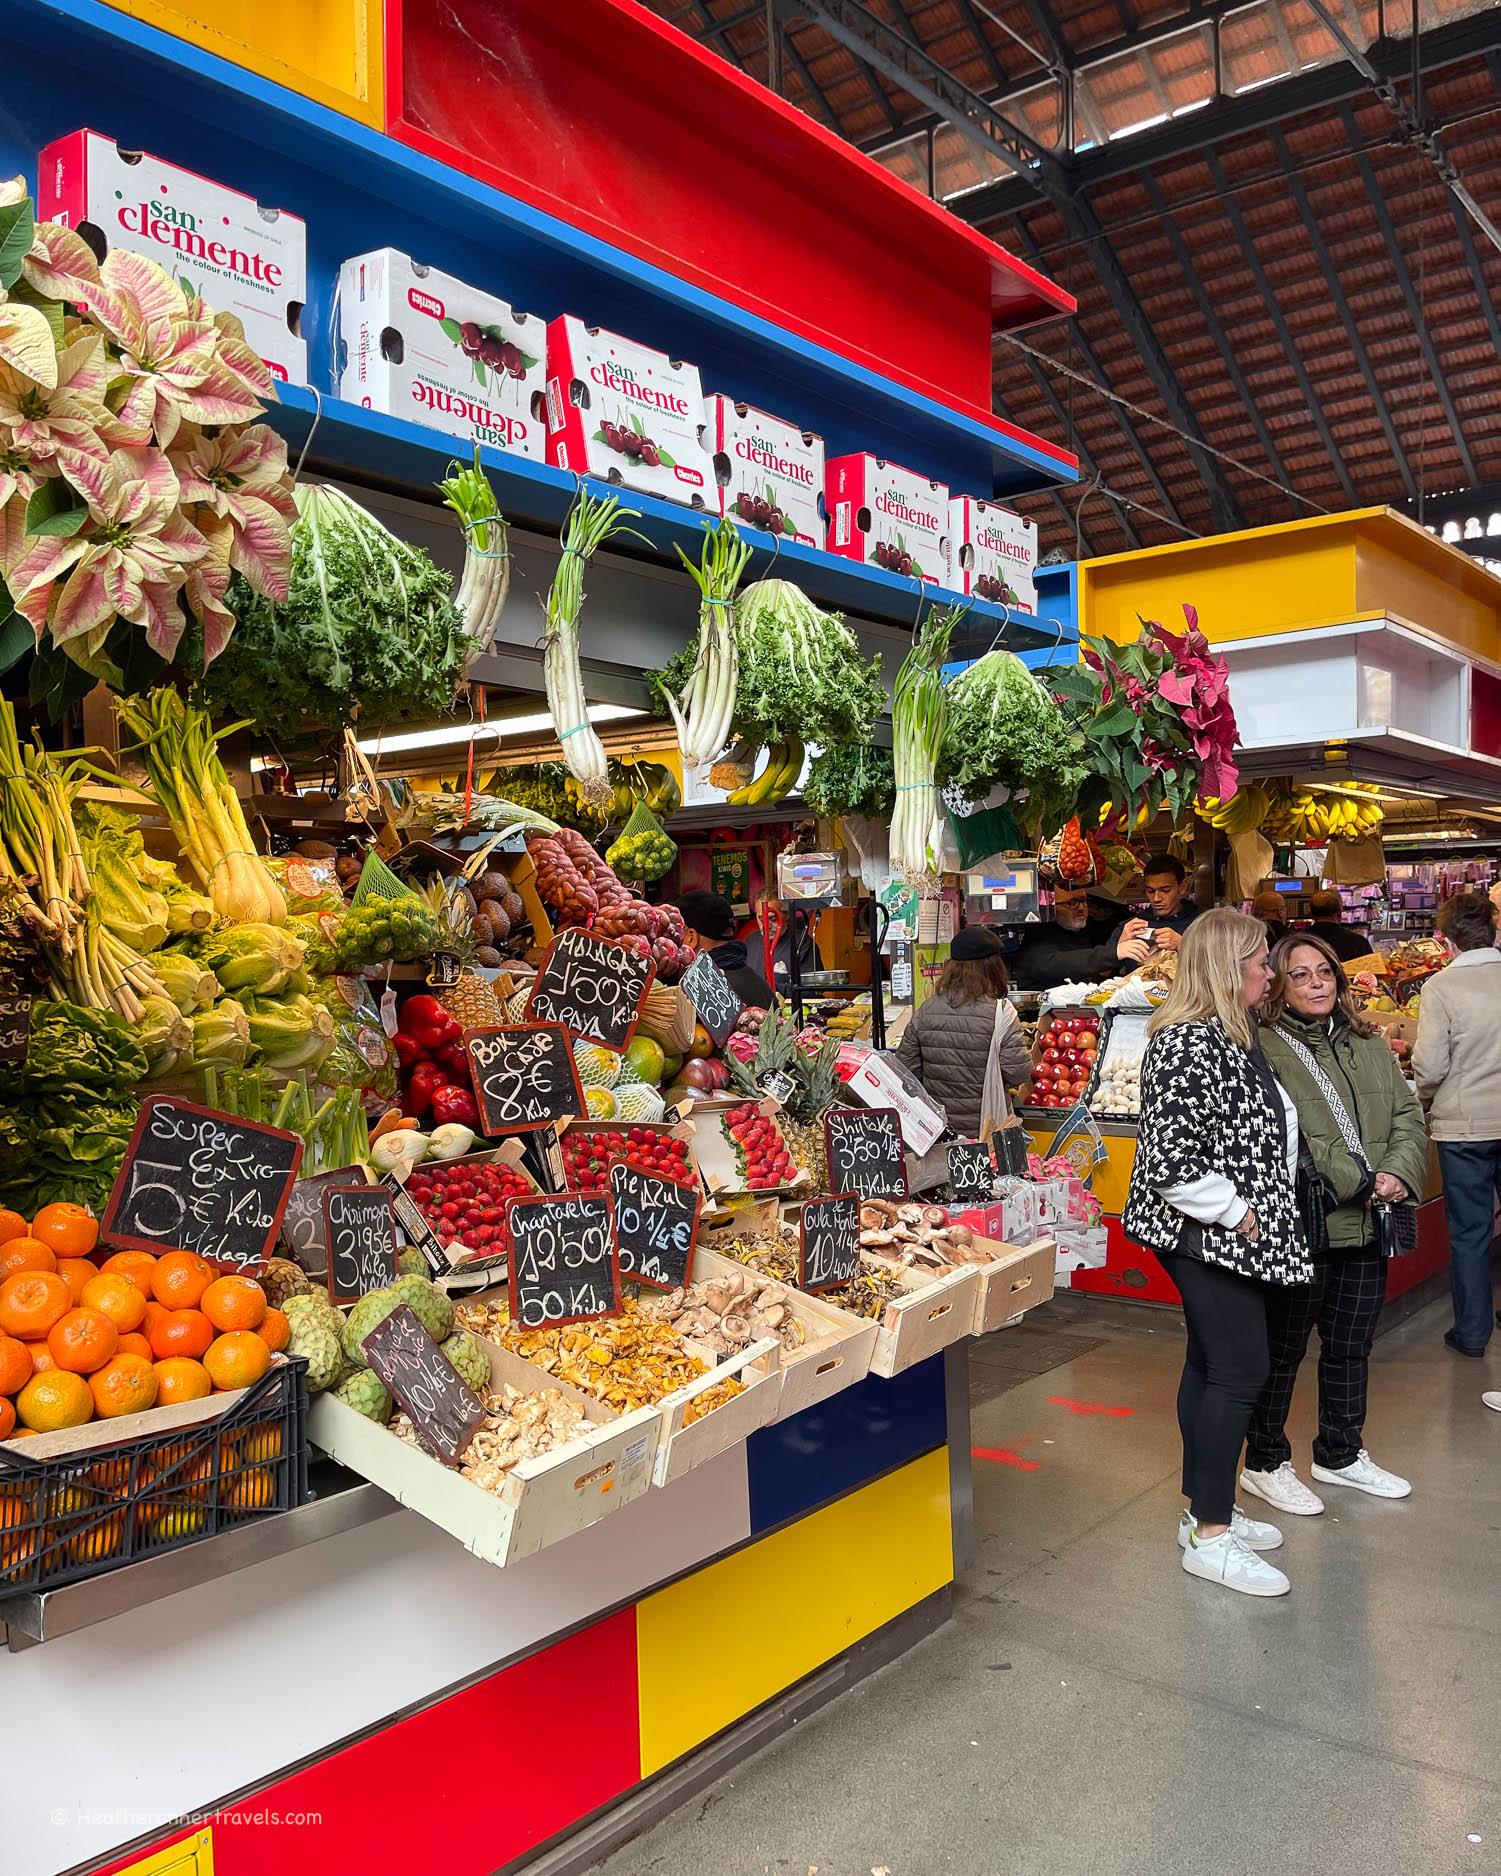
938,1310
1016,1281
680,1447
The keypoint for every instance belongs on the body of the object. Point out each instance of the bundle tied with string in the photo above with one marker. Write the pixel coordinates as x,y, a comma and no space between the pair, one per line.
641,850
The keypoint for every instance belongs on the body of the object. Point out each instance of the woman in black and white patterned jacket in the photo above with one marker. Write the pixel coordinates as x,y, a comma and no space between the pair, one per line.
1212,1195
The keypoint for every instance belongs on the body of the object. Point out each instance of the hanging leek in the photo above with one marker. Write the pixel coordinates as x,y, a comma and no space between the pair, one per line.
591,522
703,713
917,717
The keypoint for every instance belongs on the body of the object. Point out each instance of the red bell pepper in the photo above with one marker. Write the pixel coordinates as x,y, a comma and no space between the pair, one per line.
425,1019
427,1079
408,1048
455,1104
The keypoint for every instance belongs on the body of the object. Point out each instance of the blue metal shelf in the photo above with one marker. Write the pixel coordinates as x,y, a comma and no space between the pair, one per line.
67,66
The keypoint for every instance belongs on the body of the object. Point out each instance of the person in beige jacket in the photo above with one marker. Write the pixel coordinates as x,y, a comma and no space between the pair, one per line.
1456,1062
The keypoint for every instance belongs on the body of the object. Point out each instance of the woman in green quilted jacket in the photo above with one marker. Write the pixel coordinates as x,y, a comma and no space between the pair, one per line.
1316,1041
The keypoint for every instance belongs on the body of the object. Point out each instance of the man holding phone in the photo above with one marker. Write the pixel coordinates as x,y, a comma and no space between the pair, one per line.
1171,912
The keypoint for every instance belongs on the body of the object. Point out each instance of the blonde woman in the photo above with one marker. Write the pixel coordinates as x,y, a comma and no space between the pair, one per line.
1212,1195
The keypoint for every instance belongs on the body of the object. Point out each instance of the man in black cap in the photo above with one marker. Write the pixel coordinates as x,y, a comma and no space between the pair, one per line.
710,920
1081,946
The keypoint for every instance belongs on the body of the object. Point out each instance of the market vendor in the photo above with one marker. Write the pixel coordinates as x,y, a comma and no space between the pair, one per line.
710,921
1171,911
1082,945
1343,940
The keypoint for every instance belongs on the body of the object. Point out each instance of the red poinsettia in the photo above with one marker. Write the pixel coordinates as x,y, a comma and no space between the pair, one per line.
1198,688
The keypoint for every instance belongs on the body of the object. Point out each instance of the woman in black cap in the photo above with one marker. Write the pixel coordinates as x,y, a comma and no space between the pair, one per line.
949,1040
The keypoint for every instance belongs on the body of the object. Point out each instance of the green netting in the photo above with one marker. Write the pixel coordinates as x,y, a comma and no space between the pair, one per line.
990,830
641,850
377,881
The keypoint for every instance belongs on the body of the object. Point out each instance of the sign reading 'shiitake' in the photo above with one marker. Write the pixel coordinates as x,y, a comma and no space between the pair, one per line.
408,1363
359,1227
592,986
829,1250
656,1224
564,1264
524,1077
971,1171
708,990
196,1180
865,1151
15,1025
414,1227
302,1222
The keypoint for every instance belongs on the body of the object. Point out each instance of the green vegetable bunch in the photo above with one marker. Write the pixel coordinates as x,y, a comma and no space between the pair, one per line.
1002,728
67,1112
801,671
851,781
398,929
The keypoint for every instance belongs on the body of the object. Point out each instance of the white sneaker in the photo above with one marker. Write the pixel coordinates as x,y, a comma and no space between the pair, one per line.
1493,1401
1366,1476
1226,1560
1284,1489
1253,1535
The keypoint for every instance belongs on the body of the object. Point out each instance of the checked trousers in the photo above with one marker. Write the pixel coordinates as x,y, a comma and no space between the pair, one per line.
1344,1300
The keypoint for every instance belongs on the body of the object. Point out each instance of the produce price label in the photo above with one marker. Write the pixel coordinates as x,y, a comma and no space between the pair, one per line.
865,1151
524,1077
593,987
414,1227
829,1250
656,1226
302,1223
971,1171
196,1180
359,1226
409,1365
564,1263
778,1084
708,990
15,1025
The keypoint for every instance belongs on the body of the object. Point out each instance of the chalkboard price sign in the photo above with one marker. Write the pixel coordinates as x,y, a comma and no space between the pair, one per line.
656,1224
524,1077
15,1025
359,1227
302,1222
708,990
196,1180
865,1151
409,1364
593,986
829,1251
971,1172
564,1263
414,1227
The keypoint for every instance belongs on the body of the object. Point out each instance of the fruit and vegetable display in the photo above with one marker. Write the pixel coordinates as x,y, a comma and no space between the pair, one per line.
517,1427
1063,1059
1118,1096
464,1201
773,1254
589,1153
761,1155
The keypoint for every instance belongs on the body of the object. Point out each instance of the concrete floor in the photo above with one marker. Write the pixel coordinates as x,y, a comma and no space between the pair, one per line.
1092,1711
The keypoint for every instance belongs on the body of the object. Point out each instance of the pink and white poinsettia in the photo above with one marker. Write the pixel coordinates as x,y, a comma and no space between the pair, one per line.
55,428
235,483
130,559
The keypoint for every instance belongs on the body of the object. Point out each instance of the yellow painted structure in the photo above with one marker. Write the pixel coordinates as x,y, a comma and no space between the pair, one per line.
332,52
825,1582
190,1856
1334,570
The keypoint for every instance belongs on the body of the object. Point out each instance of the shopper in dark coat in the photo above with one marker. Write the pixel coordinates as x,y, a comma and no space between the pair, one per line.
948,1040
1212,1194
710,921
1343,940
1311,1029
1076,946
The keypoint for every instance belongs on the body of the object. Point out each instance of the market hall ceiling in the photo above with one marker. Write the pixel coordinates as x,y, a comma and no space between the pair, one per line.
1264,263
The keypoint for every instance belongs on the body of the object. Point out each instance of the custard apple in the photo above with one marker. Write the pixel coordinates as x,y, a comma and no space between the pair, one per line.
366,1395
317,1341
363,1317
468,1360
430,1305
282,1279
411,1263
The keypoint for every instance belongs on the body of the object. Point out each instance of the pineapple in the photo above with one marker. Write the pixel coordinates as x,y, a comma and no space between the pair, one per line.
814,1089
473,1003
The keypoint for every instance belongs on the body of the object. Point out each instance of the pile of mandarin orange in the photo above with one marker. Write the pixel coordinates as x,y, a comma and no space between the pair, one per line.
83,1339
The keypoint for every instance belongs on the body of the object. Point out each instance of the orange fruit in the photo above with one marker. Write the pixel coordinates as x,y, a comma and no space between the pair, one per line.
55,1399
252,1491
31,1301
15,1365
12,1225
100,1541
249,1445
180,1278
274,1330
69,1230
178,1378
76,1272
125,1385
114,1295
238,1359
233,1303
25,1254
134,1343
155,1312
85,1339
137,1265
181,1332
7,1419
41,1356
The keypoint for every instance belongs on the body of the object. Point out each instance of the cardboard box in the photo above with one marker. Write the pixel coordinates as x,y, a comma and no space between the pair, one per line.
418,343
243,258
768,472
626,414
882,1081
993,553
888,517
541,1502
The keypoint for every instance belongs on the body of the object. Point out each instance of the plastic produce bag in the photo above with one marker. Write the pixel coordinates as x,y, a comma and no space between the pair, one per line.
362,1056
641,850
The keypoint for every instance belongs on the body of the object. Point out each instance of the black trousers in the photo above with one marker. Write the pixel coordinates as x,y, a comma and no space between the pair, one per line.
1223,1376
1345,1300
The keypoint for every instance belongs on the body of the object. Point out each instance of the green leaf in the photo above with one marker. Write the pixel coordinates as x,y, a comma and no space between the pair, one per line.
636,424
16,637
56,509
667,461
498,333
17,232
528,363
51,310
479,371
598,437
451,329
1117,719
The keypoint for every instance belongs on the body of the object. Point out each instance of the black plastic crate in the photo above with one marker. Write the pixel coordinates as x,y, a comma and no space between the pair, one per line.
80,1514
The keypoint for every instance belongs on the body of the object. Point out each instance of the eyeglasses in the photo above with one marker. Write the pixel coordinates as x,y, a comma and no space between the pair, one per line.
1323,975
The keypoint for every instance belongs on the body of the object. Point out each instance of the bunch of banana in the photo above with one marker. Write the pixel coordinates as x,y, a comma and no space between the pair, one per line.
1247,808
1311,818
1353,820
784,763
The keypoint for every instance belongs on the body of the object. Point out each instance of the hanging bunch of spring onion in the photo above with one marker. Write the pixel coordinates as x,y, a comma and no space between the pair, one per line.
180,752
486,579
703,713
591,522
917,718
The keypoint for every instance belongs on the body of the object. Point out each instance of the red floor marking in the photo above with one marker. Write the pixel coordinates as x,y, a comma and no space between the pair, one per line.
1090,1407
1003,1456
